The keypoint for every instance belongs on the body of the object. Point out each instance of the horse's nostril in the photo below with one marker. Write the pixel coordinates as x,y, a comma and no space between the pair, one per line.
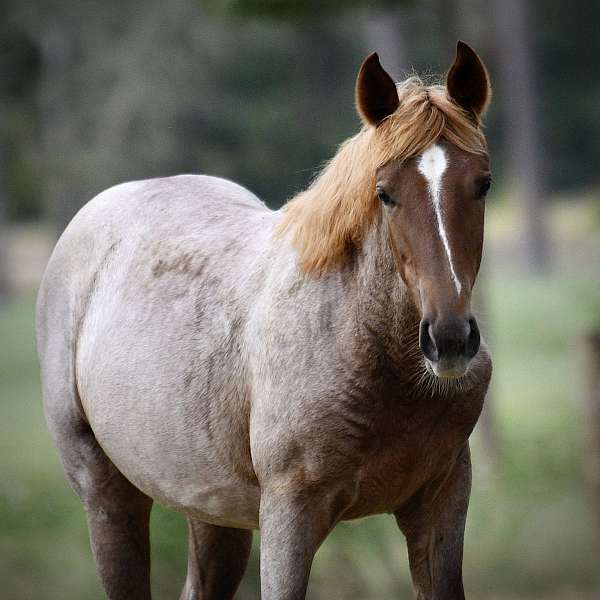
474,339
426,341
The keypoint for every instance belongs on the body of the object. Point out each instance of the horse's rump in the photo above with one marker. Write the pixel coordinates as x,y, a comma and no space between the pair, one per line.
165,271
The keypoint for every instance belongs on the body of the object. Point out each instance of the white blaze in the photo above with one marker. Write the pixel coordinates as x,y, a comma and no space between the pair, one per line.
432,165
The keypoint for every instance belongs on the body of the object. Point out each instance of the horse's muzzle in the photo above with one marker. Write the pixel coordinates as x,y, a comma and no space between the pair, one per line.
449,344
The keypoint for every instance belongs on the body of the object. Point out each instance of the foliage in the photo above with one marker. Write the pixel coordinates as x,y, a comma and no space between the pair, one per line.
20,69
94,93
293,9
20,63
566,44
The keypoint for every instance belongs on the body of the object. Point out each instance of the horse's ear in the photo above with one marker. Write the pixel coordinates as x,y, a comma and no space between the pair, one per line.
468,82
376,93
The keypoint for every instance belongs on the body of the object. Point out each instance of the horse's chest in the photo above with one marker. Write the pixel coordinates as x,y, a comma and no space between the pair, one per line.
407,452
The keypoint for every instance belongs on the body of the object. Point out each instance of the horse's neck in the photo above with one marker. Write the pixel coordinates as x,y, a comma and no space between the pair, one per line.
385,304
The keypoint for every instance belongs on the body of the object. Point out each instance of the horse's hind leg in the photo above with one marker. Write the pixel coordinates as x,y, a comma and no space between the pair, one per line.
118,517
118,514
217,558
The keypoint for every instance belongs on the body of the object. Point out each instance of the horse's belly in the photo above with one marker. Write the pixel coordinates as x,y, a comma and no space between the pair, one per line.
225,500
176,430
177,448
181,469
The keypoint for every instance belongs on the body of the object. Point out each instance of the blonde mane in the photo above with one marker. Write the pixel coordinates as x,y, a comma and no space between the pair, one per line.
328,220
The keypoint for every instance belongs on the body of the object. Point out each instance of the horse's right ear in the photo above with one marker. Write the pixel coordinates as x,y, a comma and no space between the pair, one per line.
376,93
468,82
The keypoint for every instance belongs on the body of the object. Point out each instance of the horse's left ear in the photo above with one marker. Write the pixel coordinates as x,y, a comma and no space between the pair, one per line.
376,93
468,82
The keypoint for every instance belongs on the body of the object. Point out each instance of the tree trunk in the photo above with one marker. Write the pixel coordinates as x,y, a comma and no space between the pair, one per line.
4,267
517,83
383,34
589,359
58,121
448,17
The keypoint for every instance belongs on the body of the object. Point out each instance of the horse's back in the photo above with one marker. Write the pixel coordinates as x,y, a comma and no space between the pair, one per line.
156,220
194,204
146,296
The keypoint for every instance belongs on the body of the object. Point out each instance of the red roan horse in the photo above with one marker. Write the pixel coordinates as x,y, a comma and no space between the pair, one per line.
283,370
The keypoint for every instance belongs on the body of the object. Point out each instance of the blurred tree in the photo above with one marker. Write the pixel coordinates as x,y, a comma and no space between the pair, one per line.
4,270
382,22
295,9
565,44
331,45
383,30
518,76
20,66
448,15
19,71
146,91
141,89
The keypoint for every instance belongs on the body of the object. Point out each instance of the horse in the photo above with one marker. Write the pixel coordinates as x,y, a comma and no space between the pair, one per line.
280,370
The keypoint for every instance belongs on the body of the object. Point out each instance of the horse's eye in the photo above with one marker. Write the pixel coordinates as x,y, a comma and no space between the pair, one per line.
383,196
484,187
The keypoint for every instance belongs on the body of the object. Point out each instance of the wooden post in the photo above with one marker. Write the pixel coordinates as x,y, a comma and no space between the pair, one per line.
589,358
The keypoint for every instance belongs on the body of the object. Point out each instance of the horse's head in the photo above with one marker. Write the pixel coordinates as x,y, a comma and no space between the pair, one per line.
433,199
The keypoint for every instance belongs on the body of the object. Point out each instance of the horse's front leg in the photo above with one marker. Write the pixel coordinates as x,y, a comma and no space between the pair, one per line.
434,525
294,519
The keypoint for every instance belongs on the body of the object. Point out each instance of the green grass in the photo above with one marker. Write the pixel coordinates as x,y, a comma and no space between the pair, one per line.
539,536
529,531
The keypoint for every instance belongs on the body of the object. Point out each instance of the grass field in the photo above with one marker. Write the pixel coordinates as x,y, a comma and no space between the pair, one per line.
529,533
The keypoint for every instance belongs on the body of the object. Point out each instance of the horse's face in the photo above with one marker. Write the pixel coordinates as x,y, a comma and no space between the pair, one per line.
434,205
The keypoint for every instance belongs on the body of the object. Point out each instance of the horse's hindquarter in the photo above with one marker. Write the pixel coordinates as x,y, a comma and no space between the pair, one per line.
160,365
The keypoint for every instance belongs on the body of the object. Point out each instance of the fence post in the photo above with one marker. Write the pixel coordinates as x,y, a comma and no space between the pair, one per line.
589,359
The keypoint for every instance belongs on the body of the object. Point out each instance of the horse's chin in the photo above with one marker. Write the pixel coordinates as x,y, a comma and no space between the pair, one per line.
448,370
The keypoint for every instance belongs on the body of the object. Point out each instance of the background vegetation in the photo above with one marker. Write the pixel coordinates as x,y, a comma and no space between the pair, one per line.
92,93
